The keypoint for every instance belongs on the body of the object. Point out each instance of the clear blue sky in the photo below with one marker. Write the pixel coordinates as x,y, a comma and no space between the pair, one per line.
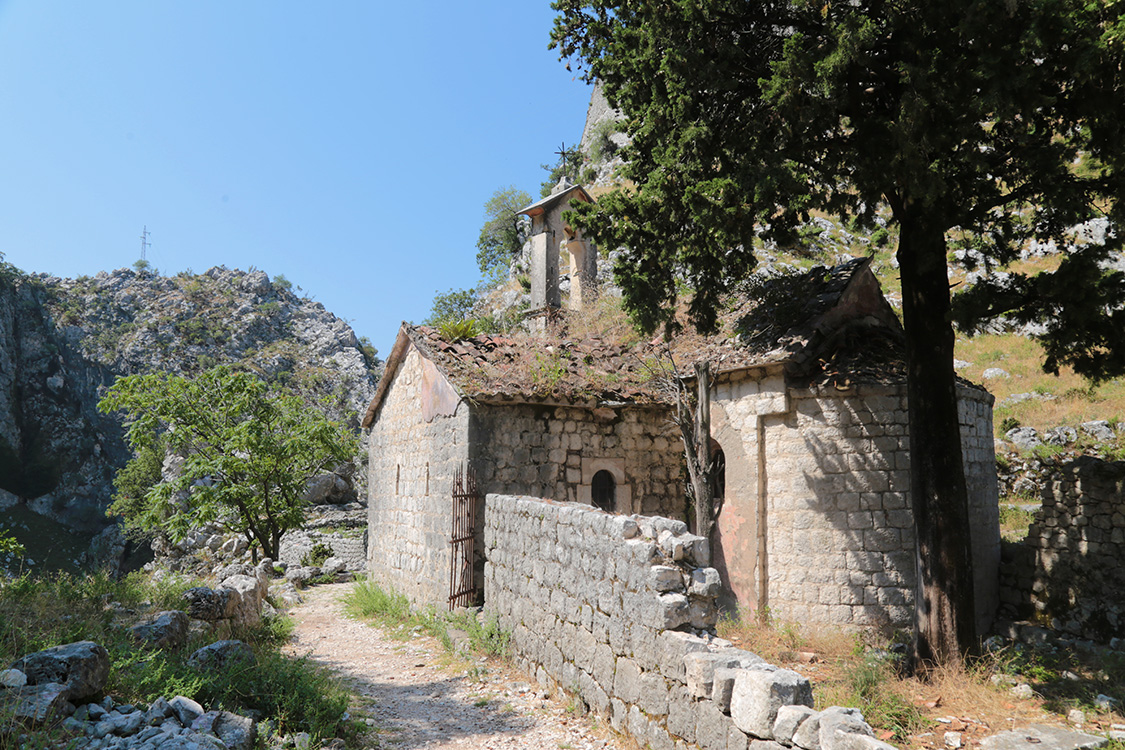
349,145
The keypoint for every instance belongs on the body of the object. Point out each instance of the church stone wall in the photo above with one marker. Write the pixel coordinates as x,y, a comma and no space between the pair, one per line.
410,473
839,536
554,451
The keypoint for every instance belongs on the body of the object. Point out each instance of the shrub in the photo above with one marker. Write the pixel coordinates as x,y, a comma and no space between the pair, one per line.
317,555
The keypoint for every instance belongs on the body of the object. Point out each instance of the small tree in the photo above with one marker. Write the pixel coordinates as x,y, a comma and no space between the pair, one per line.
502,235
248,451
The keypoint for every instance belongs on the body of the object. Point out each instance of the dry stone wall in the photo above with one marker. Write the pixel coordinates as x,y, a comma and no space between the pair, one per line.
554,451
410,469
1070,570
621,610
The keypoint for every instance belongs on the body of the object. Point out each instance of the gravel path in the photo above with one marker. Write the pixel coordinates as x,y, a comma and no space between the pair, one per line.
417,696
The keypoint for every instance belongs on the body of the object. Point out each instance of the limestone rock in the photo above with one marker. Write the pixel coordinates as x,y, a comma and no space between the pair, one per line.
166,630
759,693
1041,737
12,678
81,667
35,705
206,604
186,710
219,653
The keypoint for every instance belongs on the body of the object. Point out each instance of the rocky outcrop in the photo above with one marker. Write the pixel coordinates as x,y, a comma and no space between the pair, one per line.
64,341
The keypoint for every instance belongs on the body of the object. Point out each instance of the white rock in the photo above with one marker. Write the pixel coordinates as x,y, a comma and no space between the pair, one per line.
12,678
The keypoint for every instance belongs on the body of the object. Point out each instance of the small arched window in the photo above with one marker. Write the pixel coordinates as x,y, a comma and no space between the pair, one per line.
718,472
603,491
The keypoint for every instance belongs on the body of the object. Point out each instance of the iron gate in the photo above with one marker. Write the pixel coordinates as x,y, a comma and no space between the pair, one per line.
462,587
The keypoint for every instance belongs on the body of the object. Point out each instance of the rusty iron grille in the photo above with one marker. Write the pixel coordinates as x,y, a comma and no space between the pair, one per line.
462,588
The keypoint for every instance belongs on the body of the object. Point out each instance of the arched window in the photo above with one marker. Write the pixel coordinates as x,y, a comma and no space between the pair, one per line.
603,491
718,472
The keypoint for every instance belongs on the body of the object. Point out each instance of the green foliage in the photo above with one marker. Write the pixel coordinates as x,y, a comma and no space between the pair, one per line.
452,306
141,265
455,330
317,555
602,147
1008,424
282,284
870,681
9,546
247,450
735,118
502,234
367,600
37,613
370,353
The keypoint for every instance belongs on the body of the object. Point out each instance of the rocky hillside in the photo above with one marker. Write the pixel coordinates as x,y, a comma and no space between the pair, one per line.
64,341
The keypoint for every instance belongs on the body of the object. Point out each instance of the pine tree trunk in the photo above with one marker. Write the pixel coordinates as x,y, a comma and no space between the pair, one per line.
945,619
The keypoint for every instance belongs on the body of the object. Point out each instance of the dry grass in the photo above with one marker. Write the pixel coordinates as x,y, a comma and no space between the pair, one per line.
1072,401
850,669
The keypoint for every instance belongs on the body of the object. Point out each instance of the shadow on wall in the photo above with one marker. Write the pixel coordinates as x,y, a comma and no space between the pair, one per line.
841,534
1069,573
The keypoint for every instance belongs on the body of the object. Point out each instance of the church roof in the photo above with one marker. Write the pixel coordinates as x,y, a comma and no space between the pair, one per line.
824,325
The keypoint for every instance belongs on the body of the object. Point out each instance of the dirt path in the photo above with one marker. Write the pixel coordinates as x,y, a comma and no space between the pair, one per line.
419,697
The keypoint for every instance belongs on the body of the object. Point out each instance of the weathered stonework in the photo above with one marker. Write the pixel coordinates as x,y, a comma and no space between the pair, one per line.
621,611
1070,570
411,464
424,431
828,474
554,451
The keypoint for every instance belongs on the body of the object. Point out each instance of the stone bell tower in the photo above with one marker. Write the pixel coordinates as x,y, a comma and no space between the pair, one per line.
549,235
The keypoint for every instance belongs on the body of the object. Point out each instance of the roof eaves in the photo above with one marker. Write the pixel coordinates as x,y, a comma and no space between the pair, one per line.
398,354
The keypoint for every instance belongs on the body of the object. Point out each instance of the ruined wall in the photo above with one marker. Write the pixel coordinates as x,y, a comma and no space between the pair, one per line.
554,451
1070,570
411,466
621,611
839,536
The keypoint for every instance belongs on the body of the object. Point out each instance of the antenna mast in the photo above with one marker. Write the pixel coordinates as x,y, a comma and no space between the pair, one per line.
144,241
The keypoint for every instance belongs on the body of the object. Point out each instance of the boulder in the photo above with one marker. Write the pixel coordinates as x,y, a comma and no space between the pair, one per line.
333,566
168,630
236,732
81,667
186,709
206,603
1023,437
35,705
759,693
219,654
244,600
837,725
12,678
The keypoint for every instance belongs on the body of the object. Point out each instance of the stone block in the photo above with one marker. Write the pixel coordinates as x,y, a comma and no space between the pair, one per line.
807,734
705,582
667,612
671,647
627,680
665,578
711,726
700,667
736,738
789,719
759,693
722,687
681,713
837,725
653,698
1045,738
